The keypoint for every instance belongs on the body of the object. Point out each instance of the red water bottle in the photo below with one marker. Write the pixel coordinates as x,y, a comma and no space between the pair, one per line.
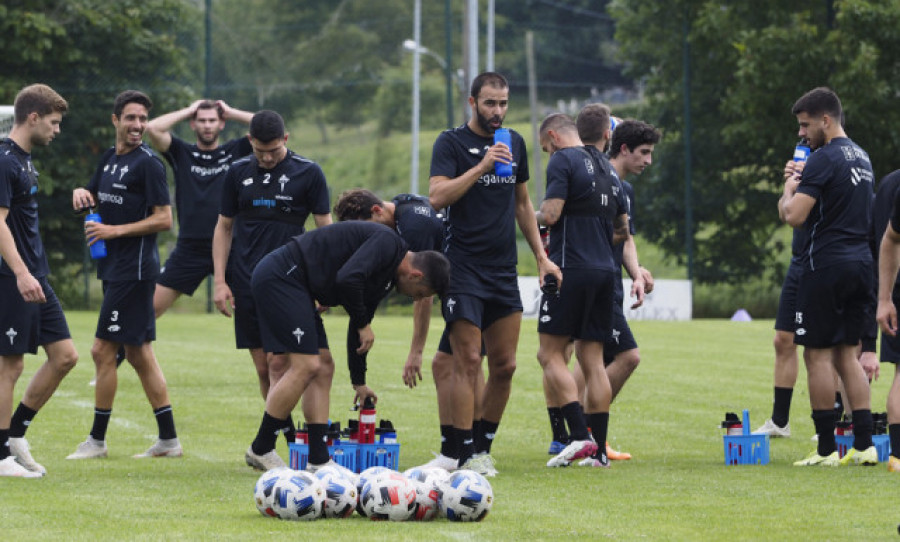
367,422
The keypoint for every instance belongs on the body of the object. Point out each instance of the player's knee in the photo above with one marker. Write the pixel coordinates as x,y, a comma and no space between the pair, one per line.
11,368
65,362
503,368
441,367
784,343
629,360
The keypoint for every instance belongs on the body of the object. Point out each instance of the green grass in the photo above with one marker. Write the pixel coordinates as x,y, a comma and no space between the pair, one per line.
676,488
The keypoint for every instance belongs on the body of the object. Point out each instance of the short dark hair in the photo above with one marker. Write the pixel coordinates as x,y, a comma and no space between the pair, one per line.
491,79
819,101
632,133
356,204
208,104
266,126
435,270
40,99
592,122
556,122
128,97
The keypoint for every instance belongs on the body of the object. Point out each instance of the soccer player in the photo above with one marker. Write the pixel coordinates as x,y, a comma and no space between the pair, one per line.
199,170
353,264
585,208
266,198
129,188
887,218
832,199
30,314
483,300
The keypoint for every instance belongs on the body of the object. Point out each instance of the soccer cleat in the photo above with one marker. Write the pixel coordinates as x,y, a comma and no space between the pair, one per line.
615,455
265,462
19,448
441,461
163,448
773,430
577,449
556,447
814,459
600,461
89,449
893,464
9,467
868,457
482,463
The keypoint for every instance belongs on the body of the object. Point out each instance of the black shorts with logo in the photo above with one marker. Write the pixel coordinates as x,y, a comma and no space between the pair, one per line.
787,303
834,304
584,307
188,264
25,326
126,315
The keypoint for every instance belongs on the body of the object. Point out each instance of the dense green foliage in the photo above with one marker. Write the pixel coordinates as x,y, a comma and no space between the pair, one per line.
749,61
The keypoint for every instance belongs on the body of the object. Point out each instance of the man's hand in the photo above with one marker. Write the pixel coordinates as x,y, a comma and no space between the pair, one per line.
31,289
638,289
887,317
366,339
223,299
362,392
412,370
870,365
648,280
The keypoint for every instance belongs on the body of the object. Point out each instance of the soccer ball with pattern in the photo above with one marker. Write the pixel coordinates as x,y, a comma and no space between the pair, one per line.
264,490
425,480
340,493
364,477
465,495
298,495
390,496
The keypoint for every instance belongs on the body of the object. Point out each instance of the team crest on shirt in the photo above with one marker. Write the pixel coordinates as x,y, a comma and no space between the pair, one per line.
283,180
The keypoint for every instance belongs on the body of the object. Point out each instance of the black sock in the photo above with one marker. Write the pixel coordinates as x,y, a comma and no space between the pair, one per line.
21,419
465,444
268,432
318,443
166,422
448,443
862,429
894,435
290,432
4,444
485,436
101,422
598,423
574,417
781,408
558,424
120,356
824,420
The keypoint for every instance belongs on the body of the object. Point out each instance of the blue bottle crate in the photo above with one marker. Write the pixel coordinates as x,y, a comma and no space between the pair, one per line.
882,443
344,454
746,449
379,454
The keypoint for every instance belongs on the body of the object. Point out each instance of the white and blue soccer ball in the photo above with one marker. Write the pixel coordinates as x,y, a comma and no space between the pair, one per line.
298,496
264,491
465,495
364,477
340,493
389,496
426,481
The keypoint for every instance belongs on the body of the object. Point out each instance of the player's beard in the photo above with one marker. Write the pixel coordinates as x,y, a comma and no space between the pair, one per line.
485,123
207,140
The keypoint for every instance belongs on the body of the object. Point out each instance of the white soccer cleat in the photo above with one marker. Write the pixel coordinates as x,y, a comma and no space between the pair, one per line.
771,429
89,449
163,448
481,463
9,467
19,448
598,461
265,462
577,449
441,461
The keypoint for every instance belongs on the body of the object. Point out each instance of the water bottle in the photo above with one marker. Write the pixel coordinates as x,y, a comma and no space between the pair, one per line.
98,249
801,151
501,135
367,422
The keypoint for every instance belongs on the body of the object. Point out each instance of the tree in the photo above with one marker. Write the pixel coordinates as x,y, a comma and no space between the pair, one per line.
89,51
749,61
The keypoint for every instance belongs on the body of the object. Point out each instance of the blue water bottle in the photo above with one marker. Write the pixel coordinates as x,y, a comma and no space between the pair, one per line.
501,135
801,151
98,249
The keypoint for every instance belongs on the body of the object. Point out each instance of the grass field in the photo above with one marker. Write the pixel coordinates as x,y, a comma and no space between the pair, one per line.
676,487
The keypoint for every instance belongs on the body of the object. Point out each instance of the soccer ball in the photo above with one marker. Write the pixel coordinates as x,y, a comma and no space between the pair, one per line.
425,480
364,477
340,493
298,495
263,491
389,496
465,496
